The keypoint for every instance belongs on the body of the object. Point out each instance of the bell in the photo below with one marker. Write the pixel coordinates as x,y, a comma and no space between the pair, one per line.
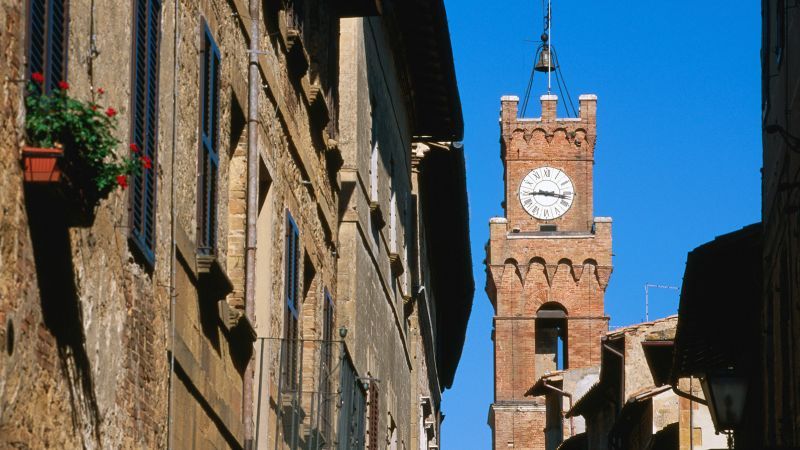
545,63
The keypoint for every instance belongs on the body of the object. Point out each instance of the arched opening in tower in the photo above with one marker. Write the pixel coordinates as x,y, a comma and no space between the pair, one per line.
551,339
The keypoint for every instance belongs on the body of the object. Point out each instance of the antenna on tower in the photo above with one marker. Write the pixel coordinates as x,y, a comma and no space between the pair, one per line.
547,61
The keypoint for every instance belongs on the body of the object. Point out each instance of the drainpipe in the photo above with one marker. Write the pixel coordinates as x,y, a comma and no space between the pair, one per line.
254,83
569,396
173,255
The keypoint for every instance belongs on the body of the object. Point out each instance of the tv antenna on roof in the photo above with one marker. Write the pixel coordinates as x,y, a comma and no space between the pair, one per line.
647,288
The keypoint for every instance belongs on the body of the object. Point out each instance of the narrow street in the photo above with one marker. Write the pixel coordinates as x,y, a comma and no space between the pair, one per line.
399,225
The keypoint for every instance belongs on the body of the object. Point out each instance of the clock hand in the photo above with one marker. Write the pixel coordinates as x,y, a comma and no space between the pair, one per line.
546,193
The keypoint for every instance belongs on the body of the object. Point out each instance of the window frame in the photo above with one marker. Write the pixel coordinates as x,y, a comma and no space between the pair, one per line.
291,327
144,129
326,367
208,146
352,414
50,79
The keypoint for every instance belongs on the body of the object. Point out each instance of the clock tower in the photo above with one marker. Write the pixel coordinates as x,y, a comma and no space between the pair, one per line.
548,263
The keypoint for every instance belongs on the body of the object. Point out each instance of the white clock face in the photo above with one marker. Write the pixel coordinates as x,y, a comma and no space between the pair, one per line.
546,193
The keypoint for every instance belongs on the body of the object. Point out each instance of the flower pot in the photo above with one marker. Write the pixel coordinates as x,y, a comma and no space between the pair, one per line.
62,181
42,165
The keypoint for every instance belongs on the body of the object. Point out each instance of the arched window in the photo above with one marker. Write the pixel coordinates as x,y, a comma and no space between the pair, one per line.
551,338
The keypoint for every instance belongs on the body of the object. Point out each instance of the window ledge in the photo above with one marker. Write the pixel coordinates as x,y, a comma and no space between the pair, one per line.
396,263
376,214
236,322
212,276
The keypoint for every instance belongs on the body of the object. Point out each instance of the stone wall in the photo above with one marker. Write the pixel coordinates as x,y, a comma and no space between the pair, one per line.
107,350
92,337
88,319
372,288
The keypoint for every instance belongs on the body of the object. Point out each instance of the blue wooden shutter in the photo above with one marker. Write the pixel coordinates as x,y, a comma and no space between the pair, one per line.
209,142
47,41
144,122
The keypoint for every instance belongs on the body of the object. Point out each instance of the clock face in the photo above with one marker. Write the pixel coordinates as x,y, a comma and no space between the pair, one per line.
546,193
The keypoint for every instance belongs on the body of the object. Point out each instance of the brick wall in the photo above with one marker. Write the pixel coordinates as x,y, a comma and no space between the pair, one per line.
566,144
528,270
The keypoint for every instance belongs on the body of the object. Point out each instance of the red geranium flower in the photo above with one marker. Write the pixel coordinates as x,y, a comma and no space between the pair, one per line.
63,85
122,181
134,148
37,77
146,162
111,112
94,107
101,91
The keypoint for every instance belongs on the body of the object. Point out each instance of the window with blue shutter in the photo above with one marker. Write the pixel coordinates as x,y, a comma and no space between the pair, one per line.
209,146
144,122
47,41
291,330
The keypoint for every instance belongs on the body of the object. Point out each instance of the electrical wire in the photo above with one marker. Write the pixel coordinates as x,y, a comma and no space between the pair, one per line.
561,92
560,74
527,96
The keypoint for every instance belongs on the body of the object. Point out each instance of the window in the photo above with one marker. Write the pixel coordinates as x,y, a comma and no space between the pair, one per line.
291,329
393,223
392,432
780,31
326,368
295,17
373,171
209,146
351,415
47,38
374,412
373,159
144,122
551,338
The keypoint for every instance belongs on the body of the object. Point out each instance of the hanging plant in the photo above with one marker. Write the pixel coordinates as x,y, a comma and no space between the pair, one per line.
87,133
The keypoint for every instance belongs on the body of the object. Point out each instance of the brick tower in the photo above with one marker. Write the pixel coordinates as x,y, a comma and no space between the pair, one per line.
548,263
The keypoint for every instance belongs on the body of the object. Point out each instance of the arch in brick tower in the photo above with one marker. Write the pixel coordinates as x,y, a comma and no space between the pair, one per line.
551,338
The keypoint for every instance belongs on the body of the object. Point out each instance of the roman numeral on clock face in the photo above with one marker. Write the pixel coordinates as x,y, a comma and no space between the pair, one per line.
546,193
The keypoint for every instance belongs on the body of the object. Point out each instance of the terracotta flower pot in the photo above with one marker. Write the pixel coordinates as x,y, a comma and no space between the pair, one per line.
41,165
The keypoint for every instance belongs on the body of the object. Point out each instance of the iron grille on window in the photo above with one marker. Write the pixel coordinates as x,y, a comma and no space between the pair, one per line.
47,37
209,146
291,336
144,122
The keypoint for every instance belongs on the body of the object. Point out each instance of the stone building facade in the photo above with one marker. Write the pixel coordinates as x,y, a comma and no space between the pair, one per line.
546,272
213,302
633,406
627,401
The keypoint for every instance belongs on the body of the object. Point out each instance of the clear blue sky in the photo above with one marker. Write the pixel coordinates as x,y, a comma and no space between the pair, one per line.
678,151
